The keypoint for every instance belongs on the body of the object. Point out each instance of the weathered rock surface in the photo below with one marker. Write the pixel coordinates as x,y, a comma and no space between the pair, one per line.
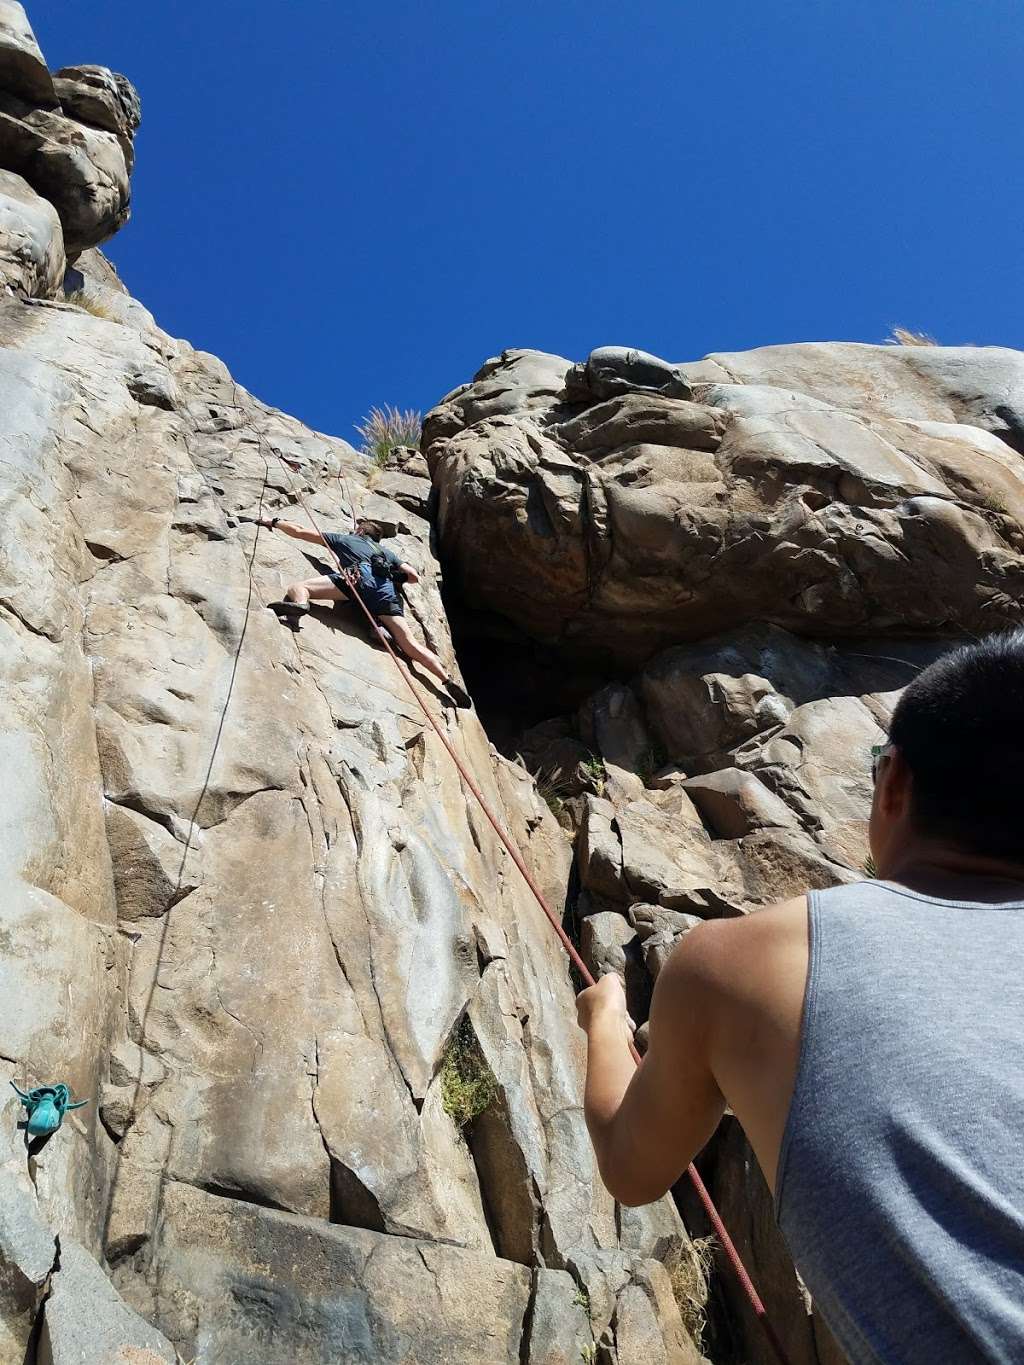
32,259
246,903
87,1323
22,68
28,1254
102,98
831,490
70,138
763,549
81,170
735,803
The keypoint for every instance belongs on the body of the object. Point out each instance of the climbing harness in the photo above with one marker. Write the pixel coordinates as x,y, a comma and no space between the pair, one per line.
383,570
46,1107
714,1217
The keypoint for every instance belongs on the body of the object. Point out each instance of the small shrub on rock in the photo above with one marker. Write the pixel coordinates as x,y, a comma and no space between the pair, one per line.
467,1082
384,430
690,1274
90,303
903,336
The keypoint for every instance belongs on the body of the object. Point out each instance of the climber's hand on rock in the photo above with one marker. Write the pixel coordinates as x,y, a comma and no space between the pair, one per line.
604,1004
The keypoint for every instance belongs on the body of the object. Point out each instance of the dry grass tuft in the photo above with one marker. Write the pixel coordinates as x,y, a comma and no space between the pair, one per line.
90,303
385,429
553,788
690,1274
903,336
467,1082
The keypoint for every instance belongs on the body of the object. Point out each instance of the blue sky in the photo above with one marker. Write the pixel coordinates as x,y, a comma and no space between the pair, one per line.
355,205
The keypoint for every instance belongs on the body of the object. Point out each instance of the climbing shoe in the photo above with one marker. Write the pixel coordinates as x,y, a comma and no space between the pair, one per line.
290,614
459,695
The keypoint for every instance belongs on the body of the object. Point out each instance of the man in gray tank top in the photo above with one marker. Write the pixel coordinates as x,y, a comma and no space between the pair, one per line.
868,1038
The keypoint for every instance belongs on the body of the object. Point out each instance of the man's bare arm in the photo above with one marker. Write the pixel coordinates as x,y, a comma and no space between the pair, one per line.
648,1124
293,529
411,576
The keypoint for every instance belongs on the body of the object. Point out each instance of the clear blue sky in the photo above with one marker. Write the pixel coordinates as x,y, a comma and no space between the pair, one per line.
358,204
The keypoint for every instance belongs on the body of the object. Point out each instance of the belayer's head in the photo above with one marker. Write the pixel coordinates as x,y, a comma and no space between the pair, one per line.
947,781
369,529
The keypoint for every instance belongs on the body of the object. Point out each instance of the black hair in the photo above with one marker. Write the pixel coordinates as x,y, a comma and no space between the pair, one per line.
960,728
369,529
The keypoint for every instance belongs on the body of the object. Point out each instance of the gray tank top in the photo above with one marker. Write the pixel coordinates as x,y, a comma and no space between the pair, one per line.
900,1186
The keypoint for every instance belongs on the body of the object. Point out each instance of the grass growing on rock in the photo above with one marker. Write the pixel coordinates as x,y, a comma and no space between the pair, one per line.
903,336
690,1275
385,429
467,1083
89,303
594,769
552,788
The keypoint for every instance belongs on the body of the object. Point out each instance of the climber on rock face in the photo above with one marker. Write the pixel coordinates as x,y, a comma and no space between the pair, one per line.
867,1038
373,572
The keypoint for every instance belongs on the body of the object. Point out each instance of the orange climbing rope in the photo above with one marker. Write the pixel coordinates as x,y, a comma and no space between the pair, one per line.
714,1217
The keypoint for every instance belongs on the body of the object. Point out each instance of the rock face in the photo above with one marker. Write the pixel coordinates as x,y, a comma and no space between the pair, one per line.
69,138
22,68
759,550
247,908
32,261
832,490
254,968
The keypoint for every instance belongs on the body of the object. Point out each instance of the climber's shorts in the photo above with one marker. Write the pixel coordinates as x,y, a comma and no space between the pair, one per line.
381,598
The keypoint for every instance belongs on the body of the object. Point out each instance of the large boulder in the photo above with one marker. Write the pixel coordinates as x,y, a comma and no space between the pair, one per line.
81,170
70,137
875,489
28,1255
975,386
268,1287
22,68
611,370
32,259
735,803
87,1323
102,98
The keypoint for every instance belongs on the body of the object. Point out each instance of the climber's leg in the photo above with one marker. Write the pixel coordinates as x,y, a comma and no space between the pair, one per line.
410,647
295,603
322,588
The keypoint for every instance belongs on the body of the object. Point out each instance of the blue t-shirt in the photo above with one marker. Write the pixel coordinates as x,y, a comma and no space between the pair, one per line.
355,550
379,592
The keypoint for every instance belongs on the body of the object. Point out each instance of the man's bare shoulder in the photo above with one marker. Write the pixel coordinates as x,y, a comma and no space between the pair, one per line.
726,957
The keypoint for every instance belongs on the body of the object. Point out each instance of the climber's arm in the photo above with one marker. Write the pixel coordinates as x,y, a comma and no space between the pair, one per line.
411,576
297,532
648,1124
